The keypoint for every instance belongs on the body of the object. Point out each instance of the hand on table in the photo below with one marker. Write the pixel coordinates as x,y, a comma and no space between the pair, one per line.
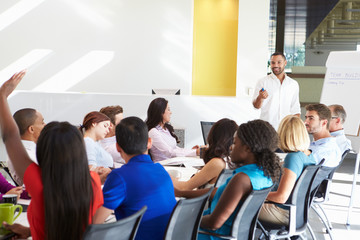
16,190
21,231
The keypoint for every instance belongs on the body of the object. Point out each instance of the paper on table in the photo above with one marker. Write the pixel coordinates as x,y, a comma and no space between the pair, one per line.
186,161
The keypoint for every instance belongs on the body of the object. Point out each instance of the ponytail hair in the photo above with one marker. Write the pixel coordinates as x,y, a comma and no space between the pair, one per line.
90,118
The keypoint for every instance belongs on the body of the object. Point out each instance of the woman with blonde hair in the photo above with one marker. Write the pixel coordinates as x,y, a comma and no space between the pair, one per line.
295,141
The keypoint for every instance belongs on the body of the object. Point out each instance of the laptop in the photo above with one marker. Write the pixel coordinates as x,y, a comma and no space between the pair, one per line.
205,129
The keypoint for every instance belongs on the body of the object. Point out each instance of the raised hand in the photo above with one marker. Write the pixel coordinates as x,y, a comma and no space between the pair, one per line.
8,87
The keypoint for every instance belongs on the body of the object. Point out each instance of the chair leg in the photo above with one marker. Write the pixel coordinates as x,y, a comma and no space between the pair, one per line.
327,219
311,231
325,222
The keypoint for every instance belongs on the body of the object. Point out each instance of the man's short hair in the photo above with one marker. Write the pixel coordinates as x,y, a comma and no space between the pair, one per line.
111,111
24,118
322,110
279,54
338,111
132,135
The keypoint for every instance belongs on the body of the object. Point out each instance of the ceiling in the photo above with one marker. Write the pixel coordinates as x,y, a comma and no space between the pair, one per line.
320,23
341,26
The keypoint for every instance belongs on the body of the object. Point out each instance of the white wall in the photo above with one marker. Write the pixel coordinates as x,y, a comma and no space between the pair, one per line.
318,55
253,39
121,49
132,45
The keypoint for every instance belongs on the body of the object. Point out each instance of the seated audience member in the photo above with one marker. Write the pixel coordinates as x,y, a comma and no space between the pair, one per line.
216,156
96,127
115,113
65,195
254,146
338,117
140,182
162,133
324,146
30,123
7,188
295,141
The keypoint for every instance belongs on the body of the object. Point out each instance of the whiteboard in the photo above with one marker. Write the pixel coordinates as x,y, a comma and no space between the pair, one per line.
342,85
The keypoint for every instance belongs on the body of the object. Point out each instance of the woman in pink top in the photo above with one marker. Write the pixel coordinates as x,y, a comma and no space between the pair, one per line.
162,133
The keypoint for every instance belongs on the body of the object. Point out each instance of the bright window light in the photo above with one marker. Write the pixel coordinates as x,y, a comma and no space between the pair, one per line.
17,11
358,47
76,72
25,62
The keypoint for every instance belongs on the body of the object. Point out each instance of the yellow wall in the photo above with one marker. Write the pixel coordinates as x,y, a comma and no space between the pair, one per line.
215,47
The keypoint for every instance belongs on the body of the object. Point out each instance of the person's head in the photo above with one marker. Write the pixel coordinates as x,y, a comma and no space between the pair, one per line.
115,113
132,136
338,117
257,139
278,63
62,158
220,139
96,125
293,135
159,113
317,118
30,123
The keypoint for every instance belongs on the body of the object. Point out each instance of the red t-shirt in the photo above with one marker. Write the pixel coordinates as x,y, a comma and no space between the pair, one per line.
35,211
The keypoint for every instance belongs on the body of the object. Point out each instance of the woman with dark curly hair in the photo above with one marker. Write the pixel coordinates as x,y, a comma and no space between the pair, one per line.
216,156
254,146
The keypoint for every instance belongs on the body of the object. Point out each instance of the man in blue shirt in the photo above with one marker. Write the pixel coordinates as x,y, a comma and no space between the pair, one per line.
338,117
140,182
324,146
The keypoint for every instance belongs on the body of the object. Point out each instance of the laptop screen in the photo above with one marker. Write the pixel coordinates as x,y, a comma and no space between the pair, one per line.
205,129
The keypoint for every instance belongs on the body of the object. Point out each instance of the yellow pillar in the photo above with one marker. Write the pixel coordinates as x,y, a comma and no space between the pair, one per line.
215,47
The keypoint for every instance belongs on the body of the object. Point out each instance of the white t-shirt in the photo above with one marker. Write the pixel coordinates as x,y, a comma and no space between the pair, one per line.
109,144
283,98
30,148
97,156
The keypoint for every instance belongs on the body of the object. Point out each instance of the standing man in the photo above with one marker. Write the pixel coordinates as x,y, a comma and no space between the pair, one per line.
338,117
30,123
277,95
115,113
324,146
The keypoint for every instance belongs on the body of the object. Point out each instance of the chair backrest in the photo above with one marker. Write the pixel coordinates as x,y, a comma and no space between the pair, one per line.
302,194
243,226
124,229
205,129
324,178
223,176
185,218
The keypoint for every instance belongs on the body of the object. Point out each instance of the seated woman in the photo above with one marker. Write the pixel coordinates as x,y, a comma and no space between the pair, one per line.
94,128
162,133
65,194
295,141
7,188
254,146
216,156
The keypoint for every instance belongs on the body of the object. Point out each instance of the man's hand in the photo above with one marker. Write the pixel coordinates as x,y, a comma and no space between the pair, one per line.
263,94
